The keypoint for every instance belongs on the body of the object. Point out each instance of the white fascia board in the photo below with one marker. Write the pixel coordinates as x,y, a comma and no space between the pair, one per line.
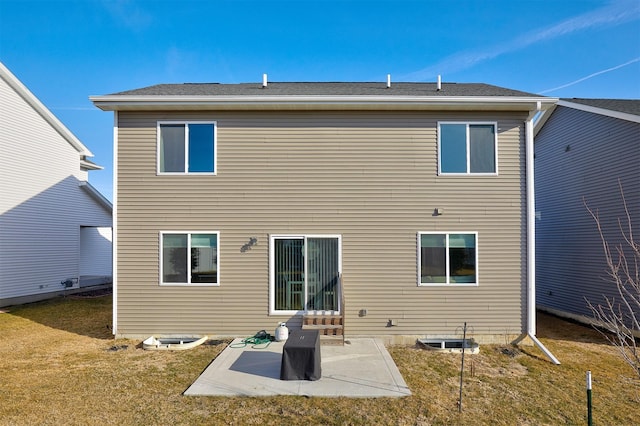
90,165
118,102
601,111
44,112
542,119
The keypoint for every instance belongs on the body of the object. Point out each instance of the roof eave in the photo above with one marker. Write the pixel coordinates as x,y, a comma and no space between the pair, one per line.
133,103
601,111
89,165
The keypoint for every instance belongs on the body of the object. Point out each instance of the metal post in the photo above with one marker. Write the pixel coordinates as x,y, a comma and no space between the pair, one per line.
464,339
589,410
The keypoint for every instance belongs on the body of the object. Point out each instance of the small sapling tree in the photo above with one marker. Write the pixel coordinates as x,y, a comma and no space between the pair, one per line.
620,315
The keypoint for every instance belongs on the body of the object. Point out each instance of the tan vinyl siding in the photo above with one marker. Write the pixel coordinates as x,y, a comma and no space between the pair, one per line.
369,177
580,156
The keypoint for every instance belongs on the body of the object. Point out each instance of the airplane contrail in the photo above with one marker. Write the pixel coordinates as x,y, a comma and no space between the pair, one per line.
615,13
591,76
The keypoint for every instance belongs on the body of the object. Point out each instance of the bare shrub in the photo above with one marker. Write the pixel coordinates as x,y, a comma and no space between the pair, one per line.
620,315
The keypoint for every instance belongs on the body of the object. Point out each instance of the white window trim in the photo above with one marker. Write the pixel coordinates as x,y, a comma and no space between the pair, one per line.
469,123
188,284
186,148
447,283
272,279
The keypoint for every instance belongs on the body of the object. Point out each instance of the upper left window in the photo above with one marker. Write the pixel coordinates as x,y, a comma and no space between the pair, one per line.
186,147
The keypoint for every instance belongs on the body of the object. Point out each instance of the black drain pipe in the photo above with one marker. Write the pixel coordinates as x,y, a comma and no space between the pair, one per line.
464,344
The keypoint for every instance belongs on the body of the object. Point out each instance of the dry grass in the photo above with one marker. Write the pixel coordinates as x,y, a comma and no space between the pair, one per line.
60,365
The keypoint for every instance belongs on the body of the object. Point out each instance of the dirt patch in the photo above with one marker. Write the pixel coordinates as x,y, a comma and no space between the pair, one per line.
92,293
214,342
510,351
117,348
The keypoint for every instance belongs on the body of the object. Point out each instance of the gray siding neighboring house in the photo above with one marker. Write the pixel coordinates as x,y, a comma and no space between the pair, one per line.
49,213
313,181
583,149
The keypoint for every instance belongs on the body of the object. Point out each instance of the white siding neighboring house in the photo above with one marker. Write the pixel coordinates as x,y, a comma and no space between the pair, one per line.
583,149
54,226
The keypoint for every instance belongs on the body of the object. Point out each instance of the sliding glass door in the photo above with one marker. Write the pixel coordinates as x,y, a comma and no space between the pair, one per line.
305,272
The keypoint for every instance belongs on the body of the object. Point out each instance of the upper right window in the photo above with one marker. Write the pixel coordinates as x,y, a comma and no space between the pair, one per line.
467,148
448,258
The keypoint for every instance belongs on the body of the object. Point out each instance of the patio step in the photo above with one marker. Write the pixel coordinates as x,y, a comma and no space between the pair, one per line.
330,327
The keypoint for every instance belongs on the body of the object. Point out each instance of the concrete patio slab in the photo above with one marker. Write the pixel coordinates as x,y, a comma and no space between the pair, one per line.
361,369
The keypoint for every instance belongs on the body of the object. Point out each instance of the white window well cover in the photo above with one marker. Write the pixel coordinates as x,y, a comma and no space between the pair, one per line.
450,345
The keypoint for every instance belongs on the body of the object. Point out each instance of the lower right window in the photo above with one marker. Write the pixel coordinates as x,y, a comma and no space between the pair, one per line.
448,258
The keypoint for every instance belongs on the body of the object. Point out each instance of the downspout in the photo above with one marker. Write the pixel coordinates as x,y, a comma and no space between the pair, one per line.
531,237
114,227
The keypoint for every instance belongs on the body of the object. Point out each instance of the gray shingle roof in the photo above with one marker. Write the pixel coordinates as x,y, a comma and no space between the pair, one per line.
629,106
325,89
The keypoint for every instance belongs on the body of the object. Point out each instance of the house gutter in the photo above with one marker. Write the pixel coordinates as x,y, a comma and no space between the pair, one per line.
359,102
531,236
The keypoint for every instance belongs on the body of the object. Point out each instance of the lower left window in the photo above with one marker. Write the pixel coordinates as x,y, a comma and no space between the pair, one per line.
189,258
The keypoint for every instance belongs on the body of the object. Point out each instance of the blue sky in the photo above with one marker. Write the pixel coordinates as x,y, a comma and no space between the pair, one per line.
65,51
